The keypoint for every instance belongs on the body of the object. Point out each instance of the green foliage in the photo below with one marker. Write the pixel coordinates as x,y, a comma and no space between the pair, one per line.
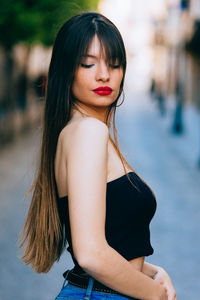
37,21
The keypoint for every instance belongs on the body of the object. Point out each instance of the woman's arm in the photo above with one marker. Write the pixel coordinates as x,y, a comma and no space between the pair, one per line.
87,178
161,276
150,270
158,274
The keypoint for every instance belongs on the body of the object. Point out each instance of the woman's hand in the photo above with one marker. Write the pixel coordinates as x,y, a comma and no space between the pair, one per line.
163,278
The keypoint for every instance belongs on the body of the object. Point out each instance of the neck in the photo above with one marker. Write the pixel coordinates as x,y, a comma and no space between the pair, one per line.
100,113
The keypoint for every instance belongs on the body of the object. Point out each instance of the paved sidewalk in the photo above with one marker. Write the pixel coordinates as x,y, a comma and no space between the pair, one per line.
152,151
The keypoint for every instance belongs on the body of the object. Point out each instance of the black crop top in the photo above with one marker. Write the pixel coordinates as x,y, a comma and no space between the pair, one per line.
128,215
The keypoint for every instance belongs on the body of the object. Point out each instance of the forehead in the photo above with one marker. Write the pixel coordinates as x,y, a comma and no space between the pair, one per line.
103,46
96,48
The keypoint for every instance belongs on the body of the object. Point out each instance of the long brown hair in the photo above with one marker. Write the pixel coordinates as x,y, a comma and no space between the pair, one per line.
43,230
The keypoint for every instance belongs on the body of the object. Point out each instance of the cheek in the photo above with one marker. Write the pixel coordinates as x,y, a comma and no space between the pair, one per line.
119,78
119,74
81,84
77,83
81,80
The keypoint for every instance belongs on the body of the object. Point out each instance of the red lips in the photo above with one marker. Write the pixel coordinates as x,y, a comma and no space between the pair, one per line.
103,90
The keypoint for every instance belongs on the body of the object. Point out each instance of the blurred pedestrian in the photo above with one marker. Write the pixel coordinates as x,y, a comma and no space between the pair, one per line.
39,85
85,192
22,83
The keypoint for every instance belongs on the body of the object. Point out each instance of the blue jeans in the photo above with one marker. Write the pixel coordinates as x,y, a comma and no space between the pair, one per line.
72,292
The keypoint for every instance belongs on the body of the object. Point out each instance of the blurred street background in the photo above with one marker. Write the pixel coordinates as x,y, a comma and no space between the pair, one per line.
158,126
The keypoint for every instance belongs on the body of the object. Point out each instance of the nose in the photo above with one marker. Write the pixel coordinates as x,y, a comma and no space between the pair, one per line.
102,73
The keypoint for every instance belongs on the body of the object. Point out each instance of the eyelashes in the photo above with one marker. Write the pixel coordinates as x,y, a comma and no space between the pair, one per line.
115,66
89,66
86,66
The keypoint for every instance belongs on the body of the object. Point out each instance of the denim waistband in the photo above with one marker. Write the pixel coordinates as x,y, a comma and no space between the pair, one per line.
82,281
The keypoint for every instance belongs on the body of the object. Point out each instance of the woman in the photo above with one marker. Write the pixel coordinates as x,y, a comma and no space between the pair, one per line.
85,192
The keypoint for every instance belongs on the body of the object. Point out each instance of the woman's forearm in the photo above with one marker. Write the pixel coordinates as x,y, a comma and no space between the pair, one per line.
116,272
158,274
150,270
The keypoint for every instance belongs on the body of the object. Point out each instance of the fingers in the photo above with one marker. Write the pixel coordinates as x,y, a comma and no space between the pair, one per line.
172,295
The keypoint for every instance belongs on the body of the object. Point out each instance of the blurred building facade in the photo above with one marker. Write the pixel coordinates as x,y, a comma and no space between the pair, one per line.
28,30
176,43
175,71
176,51
22,109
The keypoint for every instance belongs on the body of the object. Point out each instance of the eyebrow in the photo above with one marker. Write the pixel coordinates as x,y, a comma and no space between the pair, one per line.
89,55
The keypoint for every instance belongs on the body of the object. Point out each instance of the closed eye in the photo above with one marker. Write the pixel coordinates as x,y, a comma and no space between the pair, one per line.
115,66
86,66
89,66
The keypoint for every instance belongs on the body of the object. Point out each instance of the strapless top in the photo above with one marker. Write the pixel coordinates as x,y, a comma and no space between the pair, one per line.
129,211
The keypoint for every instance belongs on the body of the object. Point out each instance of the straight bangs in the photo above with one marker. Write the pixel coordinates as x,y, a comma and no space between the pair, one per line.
110,42
84,43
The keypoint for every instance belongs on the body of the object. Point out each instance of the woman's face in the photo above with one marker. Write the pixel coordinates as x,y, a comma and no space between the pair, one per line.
94,73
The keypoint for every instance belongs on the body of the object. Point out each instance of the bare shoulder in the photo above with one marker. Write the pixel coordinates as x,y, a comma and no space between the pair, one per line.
91,125
86,131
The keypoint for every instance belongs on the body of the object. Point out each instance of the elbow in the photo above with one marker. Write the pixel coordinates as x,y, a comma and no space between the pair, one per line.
87,262
91,260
